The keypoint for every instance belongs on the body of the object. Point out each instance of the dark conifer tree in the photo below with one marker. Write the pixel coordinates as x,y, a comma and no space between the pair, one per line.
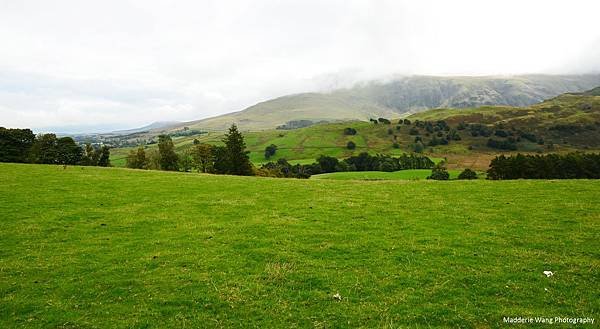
237,159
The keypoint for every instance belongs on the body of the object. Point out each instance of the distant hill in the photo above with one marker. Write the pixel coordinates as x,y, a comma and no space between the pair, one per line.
401,96
592,92
152,126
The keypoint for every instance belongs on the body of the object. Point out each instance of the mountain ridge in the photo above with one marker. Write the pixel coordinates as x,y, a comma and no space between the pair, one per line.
400,97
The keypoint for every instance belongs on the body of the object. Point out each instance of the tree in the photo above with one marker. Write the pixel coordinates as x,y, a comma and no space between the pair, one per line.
67,151
327,163
384,121
137,159
418,147
203,158
15,144
153,157
351,145
270,151
44,149
237,160
185,161
166,150
467,174
220,160
103,156
439,172
87,158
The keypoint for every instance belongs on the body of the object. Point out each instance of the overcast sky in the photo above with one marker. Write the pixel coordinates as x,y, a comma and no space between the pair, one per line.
81,65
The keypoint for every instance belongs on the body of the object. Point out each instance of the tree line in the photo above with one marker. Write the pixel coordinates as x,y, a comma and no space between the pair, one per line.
23,146
230,158
549,166
361,162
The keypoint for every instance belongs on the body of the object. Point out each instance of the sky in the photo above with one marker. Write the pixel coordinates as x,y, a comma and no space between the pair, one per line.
76,66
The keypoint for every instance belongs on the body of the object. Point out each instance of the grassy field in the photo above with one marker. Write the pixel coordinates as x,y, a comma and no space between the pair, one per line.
117,248
380,175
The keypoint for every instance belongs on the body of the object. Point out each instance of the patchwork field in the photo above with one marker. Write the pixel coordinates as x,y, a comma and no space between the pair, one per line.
117,248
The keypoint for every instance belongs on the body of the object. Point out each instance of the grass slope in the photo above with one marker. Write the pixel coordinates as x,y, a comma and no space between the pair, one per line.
114,248
301,145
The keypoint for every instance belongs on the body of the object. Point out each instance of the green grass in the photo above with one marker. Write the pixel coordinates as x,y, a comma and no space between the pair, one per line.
117,248
380,175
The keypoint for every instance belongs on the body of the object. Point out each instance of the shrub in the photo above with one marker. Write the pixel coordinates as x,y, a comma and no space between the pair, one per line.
327,163
351,145
439,172
509,145
270,151
501,133
418,147
349,131
467,174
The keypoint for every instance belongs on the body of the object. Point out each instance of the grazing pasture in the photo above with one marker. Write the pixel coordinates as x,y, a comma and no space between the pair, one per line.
89,247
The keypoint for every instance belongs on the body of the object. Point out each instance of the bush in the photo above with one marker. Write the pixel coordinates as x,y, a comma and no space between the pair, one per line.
351,145
418,147
270,151
349,131
327,163
384,121
509,145
439,172
501,133
467,174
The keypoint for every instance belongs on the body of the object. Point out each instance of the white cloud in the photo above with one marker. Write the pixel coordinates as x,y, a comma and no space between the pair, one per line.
127,63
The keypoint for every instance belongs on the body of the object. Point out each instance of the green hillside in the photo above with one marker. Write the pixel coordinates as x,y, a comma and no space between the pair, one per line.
564,123
299,145
568,119
398,96
106,247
